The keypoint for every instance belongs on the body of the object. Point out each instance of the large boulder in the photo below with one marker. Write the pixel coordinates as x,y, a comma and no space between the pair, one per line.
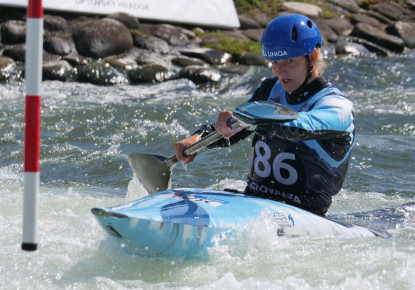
339,25
392,10
150,73
59,70
100,74
364,18
247,22
309,10
327,34
174,35
57,45
13,31
200,75
212,56
128,20
152,43
102,38
16,51
7,66
250,59
379,37
54,23
404,30
349,5
254,34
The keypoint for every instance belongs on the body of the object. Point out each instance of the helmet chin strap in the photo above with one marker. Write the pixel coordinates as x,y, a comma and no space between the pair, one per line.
299,92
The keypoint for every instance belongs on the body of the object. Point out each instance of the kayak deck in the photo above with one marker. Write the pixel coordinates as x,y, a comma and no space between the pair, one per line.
186,222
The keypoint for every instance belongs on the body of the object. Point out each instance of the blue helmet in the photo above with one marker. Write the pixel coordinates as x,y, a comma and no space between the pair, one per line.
289,36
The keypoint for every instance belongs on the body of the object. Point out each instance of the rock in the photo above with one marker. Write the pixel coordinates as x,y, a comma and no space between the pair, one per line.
251,59
364,18
54,23
339,25
16,51
143,57
410,3
175,36
128,20
13,31
100,74
200,75
392,10
382,19
76,60
7,66
151,52
377,36
124,62
247,22
102,38
263,19
327,34
59,70
335,9
372,47
151,73
254,34
56,45
212,56
152,43
349,5
6,62
302,8
404,30
187,61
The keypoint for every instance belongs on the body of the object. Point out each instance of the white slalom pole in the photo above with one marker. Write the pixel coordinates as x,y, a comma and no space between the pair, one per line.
33,76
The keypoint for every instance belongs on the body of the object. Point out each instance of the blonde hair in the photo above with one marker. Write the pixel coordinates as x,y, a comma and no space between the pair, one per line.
320,66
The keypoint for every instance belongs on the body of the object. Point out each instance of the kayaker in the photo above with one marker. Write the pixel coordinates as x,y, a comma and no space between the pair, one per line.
301,162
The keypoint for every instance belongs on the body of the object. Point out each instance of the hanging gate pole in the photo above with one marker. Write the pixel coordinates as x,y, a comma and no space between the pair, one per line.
33,76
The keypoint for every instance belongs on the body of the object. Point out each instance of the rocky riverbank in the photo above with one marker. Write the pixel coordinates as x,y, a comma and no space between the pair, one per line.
121,49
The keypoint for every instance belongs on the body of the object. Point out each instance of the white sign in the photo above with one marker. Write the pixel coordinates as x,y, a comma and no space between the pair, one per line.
215,13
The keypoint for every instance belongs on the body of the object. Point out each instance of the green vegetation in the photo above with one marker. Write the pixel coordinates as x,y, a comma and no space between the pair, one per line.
367,4
255,6
251,7
327,13
208,34
236,46
136,32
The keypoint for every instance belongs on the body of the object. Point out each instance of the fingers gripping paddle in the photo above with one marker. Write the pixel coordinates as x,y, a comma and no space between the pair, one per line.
154,171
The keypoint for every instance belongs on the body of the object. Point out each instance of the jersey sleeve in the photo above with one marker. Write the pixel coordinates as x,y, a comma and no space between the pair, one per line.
330,117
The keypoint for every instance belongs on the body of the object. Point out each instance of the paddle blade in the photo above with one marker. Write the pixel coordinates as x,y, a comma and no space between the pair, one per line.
152,171
260,113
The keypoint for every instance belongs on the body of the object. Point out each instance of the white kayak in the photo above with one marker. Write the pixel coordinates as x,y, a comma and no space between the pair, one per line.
186,222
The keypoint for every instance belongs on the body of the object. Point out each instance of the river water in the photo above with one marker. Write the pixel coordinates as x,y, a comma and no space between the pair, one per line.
88,130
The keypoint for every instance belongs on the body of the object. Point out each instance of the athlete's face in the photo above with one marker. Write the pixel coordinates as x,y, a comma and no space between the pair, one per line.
291,72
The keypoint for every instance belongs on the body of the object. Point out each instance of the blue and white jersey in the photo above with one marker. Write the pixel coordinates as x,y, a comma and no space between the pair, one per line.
302,162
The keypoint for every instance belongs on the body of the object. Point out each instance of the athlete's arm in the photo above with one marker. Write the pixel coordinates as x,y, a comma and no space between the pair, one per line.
329,121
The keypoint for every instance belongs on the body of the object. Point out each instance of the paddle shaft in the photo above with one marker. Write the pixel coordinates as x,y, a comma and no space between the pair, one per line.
199,145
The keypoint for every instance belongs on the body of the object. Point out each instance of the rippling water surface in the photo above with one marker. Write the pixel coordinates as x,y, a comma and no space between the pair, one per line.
88,130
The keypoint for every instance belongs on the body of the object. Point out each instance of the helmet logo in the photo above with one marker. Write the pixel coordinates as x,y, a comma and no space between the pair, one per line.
278,53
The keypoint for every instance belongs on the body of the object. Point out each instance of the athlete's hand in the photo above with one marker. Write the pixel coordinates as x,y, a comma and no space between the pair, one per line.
180,146
223,126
